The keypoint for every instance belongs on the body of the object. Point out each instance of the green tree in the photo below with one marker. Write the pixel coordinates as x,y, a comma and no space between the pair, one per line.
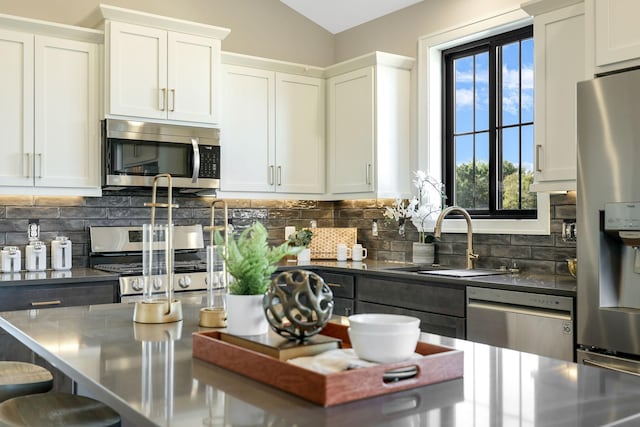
511,191
472,186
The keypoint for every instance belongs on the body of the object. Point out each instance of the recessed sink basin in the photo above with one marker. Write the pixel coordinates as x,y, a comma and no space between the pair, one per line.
462,273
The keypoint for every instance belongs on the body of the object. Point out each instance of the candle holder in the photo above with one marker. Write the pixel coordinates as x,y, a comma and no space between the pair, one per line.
157,265
214,315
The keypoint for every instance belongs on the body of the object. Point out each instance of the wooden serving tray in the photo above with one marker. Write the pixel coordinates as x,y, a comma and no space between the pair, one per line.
438,364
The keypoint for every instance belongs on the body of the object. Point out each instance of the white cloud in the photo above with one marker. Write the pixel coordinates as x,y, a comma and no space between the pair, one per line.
464,98
511,89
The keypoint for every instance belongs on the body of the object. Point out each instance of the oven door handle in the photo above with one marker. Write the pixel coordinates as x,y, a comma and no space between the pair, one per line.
196,160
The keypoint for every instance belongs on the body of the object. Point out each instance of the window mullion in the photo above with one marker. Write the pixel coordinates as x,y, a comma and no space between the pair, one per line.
495,118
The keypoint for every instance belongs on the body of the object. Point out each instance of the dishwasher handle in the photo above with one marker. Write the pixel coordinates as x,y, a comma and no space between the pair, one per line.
519,309
591,362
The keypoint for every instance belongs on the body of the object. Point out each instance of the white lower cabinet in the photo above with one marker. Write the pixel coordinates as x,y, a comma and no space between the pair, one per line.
368,127
272,137
559,35
49,114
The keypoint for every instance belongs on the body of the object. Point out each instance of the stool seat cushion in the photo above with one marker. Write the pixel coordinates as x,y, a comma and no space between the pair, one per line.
56,410
20,378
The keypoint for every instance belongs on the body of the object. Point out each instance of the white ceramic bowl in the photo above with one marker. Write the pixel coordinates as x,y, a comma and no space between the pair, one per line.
384,347
383,323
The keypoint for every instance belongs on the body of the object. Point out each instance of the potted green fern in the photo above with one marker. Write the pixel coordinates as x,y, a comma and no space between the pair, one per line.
250,261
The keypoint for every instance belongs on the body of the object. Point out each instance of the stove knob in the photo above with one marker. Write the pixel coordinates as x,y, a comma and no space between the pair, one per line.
137,285
184,282
157,283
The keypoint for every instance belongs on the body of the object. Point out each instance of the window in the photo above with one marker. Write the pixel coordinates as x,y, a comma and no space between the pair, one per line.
488,143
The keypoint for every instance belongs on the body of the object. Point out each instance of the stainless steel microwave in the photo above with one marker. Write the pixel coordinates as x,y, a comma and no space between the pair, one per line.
134,152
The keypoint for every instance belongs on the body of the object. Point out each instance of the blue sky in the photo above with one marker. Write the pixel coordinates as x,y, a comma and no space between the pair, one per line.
517,81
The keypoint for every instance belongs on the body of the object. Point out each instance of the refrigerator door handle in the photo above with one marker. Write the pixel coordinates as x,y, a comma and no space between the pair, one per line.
602,365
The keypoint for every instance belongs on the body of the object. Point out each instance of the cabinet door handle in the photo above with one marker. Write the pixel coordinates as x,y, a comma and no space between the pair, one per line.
41,303
29,165
368,173
40,157
161,101
538,168
271,176
173,100
279,175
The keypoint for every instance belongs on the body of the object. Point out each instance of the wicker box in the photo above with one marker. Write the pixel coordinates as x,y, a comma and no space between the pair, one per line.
325,241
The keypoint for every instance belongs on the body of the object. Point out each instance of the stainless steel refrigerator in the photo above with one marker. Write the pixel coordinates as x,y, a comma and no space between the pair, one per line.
608,217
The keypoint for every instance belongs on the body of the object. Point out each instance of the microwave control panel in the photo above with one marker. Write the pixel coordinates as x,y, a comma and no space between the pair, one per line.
209,161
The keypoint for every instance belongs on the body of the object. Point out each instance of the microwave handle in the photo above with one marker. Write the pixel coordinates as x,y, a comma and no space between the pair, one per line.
196,160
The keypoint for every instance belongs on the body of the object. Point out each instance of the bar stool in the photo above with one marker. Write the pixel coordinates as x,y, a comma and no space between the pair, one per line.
20,379
56,410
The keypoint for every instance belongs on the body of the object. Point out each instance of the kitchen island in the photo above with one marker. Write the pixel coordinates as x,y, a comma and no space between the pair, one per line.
147,374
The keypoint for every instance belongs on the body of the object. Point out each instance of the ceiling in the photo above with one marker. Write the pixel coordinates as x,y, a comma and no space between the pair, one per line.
340,15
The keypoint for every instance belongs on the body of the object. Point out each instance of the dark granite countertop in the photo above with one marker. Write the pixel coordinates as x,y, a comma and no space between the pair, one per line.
48,277
148,375
525,282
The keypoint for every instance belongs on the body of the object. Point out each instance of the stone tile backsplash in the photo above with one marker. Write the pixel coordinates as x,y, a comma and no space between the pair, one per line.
72,217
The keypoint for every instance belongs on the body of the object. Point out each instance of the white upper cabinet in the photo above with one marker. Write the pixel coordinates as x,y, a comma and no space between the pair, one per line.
16,109
560,62
368,126
161,68
49,109
616,33
67,131
272,138
137,71
247,148
300,137
351,125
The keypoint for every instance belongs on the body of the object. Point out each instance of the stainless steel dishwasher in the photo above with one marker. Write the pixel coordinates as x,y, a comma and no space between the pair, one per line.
534,323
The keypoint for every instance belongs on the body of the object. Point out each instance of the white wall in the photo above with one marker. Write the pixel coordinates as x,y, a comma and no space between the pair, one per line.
265,28
399,32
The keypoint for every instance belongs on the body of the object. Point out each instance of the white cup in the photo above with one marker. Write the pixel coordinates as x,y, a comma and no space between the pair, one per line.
343,252
358,253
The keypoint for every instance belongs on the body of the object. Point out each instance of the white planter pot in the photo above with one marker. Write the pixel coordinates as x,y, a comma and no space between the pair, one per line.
245,315
304,256
423,253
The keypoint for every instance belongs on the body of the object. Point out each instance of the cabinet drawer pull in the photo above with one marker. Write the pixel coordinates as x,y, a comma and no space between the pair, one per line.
335,285
41,303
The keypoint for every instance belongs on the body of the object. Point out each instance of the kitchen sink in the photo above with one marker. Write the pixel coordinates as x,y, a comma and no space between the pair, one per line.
462,272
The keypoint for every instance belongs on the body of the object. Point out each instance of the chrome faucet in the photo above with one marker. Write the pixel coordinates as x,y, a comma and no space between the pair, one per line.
471,257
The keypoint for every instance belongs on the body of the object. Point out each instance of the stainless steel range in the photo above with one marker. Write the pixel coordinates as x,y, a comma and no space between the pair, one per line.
119,250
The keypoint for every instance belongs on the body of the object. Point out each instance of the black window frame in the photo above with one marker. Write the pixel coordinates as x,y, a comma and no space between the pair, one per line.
489,45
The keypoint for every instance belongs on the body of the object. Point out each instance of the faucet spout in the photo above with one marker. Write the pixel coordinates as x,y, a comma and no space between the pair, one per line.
471,257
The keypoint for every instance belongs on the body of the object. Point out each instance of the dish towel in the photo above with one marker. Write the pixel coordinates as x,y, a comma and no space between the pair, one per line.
332,361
